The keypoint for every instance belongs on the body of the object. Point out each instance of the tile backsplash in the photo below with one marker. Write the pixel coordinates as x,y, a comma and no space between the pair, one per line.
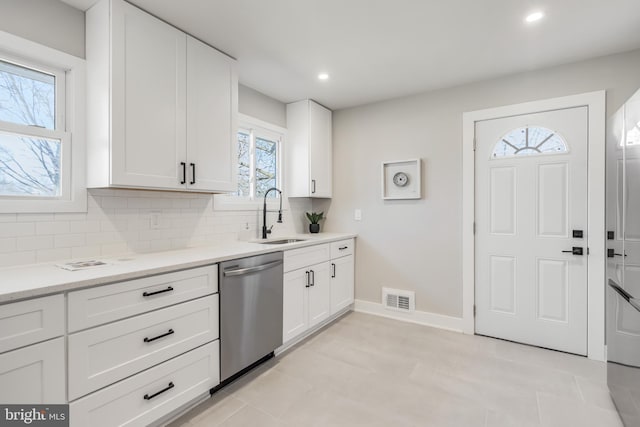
126,221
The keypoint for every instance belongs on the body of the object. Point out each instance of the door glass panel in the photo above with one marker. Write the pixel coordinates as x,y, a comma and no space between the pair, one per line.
527,141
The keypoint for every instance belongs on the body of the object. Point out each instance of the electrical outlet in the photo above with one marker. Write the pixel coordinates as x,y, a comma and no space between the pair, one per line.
357,215
154,222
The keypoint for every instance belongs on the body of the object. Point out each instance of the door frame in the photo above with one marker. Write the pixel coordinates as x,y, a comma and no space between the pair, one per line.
596,121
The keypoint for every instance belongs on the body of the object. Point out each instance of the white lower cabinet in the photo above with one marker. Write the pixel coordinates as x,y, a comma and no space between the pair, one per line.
152,394
318,283
306,299
103,355
34,375
342,283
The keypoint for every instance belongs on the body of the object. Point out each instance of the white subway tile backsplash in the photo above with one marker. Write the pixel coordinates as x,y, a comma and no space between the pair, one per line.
70,240
12,259
8,245
52,227
8,217
48,255
119,221
85,252
17,229
30,243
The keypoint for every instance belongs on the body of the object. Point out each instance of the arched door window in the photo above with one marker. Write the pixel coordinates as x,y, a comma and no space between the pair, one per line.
529,141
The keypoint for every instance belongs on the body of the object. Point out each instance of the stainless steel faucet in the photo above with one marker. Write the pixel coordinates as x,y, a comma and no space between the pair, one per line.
266,230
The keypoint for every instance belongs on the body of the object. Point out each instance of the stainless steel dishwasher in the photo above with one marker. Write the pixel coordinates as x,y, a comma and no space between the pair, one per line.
250,312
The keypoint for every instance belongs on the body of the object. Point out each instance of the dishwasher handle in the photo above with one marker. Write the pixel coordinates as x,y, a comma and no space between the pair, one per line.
248,270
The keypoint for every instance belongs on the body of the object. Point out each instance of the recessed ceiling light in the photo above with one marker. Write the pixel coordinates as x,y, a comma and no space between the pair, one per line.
535,16
323,76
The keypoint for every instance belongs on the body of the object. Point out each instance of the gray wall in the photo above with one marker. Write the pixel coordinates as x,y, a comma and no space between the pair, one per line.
255,104
48,22
416,245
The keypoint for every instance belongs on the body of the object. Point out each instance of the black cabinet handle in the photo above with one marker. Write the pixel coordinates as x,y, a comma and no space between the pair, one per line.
170,332
333,273
184,172
342,248
193,172
308,282
313,277
313,183
167,388
148,294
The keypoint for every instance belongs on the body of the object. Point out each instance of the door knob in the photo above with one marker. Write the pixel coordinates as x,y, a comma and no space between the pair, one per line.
576,250
612,252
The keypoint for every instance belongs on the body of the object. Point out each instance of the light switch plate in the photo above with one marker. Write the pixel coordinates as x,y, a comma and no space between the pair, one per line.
357,215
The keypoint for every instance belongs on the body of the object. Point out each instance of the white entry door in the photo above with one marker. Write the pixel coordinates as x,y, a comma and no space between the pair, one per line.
531,206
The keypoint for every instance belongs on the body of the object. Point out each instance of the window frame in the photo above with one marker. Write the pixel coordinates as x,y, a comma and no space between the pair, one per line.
69,126
257,127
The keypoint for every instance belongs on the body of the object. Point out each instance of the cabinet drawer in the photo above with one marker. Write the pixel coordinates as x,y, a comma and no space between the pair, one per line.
124,404
103,304
36,374
299,258
342,248
27,322
109,353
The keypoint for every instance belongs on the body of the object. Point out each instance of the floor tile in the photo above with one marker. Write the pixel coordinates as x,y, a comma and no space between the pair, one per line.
371,371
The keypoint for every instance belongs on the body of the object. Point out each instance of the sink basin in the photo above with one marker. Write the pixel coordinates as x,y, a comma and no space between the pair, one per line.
280,241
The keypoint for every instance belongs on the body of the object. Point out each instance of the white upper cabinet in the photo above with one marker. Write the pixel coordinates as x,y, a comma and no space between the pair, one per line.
211,118
308,150
162,106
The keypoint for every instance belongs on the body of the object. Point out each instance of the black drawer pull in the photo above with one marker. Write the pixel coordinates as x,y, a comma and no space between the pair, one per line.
342,248
184,172
167,388
148,294
170,332
193,171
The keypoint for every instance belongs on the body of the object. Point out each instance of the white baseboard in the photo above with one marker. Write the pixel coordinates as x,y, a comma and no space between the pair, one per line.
420,317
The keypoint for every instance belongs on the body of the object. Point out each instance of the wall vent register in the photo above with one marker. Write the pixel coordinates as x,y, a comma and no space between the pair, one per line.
398,300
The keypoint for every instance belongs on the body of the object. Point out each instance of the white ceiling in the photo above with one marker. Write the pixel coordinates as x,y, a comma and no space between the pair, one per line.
379,49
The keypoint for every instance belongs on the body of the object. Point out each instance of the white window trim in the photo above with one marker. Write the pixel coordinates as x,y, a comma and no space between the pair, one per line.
72,129
229,202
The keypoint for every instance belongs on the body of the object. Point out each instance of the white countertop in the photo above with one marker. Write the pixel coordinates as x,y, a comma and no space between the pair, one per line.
35,280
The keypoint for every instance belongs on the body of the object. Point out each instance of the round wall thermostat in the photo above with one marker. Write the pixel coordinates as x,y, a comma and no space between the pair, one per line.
400,179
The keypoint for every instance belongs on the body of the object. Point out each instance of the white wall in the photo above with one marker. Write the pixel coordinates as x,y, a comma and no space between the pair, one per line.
256,104
48,22
416,245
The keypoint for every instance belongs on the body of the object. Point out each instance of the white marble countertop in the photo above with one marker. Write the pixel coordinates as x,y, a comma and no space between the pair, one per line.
35,280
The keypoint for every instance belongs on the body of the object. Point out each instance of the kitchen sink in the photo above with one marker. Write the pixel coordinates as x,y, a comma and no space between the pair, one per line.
280,241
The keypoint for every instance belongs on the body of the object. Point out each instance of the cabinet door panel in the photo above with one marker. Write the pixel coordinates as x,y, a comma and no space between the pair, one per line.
149,100
294,307
342,283
320,153
36,374
320,293
211,120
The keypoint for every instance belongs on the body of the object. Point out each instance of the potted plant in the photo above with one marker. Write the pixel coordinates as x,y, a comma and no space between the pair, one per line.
314,218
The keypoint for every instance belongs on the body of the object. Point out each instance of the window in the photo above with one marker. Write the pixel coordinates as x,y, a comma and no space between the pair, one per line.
530,140
259,165
41,107
258,161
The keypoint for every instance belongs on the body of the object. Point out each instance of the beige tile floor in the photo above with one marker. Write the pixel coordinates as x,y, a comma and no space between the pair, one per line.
370,371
